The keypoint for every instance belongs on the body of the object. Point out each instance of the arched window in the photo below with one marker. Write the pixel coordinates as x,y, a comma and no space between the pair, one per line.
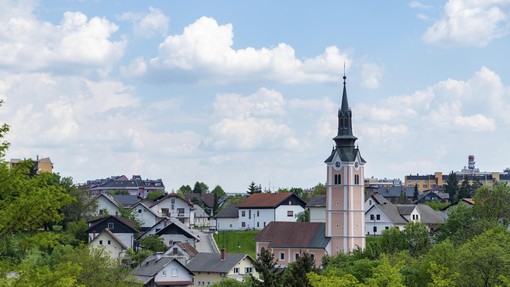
338,179
356,179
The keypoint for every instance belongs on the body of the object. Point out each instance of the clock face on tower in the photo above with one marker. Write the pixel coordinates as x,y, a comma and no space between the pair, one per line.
356,165
337,164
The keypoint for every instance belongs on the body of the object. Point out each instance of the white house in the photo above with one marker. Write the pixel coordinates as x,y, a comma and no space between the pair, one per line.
317,207
174,206
171,231
163,271
228,218
123,229
201,218
147,216
106,205
111,244
259,209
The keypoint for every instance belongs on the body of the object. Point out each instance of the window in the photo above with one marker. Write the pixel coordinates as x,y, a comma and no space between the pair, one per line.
248,270
370,202
258,213
387,227
236,270
101,242
180,211
378,217
290,213
139,210
109,242
296,256
111,225
101,211
164,211
338,179
312,256
264,224
163,274
172,200
372,217
282,256
375,229
174,272
243,213
356,179
258,224
243,224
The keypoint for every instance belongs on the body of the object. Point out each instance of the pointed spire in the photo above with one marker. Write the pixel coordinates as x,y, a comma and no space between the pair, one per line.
345,103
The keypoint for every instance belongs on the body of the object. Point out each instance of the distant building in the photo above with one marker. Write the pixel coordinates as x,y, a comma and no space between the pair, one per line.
40,164
134,186
437,180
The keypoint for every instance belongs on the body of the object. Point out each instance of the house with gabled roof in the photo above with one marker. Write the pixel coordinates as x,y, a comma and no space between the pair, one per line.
111,244
289,240
183,251
228,218
172,231
163,271
210,268
106,205
430,195
380,217
174,206
145,215
259,209
124,229
317,207
201,218
125,200
134,186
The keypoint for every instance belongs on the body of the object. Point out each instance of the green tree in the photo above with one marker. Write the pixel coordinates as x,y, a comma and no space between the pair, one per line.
153,195
253,188
153,243
82,207
295,273
184,189
459,227
484,259
465,189
392,241
266,266
130,214
417,238
493,203
304,216
317,280
200,188
386,275
416,192
228,282
452,187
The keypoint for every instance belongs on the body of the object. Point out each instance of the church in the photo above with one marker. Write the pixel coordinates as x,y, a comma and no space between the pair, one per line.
344,227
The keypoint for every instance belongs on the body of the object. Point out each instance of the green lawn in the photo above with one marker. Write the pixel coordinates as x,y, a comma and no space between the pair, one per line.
237,241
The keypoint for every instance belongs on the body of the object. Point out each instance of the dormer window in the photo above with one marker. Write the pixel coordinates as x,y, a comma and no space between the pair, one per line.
111,225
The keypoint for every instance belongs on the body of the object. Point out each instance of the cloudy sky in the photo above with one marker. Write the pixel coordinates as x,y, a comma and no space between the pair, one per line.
229,92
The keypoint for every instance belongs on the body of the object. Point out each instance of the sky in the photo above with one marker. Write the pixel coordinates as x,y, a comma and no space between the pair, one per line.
230,92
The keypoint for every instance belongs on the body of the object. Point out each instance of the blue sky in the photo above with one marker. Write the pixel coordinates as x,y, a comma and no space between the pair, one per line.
229,92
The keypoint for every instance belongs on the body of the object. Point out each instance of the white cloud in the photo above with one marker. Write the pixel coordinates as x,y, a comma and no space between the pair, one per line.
149,24
77,42
419,5
205,48
470,23
371,74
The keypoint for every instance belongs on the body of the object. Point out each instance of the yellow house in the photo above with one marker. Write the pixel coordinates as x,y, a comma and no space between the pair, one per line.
40,164
210,268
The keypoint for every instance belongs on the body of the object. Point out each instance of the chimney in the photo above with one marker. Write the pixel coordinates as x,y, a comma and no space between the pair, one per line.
223,254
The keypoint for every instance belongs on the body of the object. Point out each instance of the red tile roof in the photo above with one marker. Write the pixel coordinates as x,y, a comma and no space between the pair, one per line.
265,199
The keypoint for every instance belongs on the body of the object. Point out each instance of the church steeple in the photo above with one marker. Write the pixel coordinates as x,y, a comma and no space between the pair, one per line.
344,138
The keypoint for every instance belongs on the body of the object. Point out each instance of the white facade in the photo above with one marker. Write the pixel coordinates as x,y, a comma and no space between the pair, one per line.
105,205
154,229
174,207
258,218
173,272
170,239
227,224
126,238
376,218
317,214
110,245
145,215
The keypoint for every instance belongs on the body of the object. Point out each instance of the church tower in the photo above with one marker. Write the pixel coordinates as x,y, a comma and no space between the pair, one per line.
345,192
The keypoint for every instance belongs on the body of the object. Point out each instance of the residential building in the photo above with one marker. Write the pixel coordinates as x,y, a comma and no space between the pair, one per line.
172,231
161,270
210,268
228,218
396,194
110,243
201,218
259,209
317,207
289,240
106,205
174,206
429,196
40,164
134,186
145,215
182,251
124,229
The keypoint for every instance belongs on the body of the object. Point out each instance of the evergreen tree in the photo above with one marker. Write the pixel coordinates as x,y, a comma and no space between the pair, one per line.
295,274
253,188
464,190
452,187
416,192
265,265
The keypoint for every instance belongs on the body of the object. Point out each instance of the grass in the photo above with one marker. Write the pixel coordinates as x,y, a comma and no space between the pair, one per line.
237,241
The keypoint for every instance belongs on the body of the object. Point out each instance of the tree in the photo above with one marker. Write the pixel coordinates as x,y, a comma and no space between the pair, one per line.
153,243
417,238
295,274
386,275
218,190
253,188
83,205
484,259
200,188
153,195
459,227
493,203
416,192
317,280
392,241
452,186
130,214
267,269
465,189
304,216
184,189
